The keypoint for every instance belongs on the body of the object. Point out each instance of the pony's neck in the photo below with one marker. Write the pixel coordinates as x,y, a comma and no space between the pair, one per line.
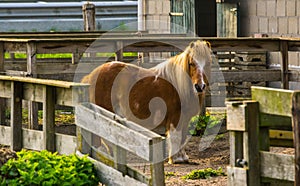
174,70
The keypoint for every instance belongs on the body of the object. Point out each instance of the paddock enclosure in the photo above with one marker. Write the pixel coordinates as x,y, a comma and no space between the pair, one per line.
240,63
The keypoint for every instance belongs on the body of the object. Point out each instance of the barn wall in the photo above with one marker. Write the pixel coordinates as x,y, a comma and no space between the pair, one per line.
274,18
156,16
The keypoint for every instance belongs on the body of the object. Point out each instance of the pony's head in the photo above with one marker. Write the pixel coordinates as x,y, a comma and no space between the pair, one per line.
199,55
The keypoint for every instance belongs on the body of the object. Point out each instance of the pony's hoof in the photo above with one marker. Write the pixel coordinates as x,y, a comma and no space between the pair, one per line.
179,160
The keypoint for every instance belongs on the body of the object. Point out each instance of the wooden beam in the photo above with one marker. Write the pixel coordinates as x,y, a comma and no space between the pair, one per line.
111,176
284,64
273,101
2,101
49,118
296,129
113,131
251,144
277,166
16,116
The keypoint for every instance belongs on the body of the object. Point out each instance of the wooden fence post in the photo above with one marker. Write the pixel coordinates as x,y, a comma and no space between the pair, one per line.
157,163
251,146
89,19
2,101
49,118
16,115
296,129
32,72
119,51
284,50
243,124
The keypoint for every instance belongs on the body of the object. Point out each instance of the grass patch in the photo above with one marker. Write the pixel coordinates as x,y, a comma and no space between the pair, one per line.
66,55
169,174
204,174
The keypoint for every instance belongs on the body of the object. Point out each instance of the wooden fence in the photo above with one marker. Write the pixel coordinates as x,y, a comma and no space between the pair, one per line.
230,79
82,42
271,118
47,92
90,120
125,137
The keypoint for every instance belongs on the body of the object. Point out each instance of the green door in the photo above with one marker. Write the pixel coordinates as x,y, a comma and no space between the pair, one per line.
182,17
227,20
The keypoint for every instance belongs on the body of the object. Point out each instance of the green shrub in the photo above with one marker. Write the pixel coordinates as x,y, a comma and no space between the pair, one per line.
46,168
204,173
198,124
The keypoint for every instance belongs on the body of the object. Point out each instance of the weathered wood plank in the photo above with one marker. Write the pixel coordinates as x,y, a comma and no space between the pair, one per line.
65,144
71,97
31,59
110,176
33,92
5,87
277,166
275,121
33,139
2,56
296,132
251,144
236,176
98,155
49,118
281,134
273,101
121,120
284,64
114,132
281,138
16,116
56,83
157,164
245,76
236,116
5,133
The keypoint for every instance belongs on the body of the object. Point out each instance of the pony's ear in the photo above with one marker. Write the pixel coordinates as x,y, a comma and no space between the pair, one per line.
208,44
192,44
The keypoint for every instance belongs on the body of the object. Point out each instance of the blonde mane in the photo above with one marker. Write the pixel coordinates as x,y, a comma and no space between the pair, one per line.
200,52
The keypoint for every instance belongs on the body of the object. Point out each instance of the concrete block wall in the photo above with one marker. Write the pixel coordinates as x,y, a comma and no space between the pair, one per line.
156,16
274,18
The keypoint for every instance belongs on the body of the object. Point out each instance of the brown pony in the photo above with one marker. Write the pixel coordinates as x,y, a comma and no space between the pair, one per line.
165,96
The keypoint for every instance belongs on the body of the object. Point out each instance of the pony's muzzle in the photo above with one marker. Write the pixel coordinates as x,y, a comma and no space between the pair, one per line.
200,88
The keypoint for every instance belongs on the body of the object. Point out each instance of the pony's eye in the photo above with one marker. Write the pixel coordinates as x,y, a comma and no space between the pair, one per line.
192,64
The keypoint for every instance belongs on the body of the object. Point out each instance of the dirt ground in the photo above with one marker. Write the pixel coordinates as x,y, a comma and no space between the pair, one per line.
215,156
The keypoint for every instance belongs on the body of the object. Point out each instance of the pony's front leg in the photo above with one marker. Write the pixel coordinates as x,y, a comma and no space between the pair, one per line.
176,150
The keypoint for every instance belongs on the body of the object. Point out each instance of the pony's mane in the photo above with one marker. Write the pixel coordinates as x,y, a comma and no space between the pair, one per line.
175,69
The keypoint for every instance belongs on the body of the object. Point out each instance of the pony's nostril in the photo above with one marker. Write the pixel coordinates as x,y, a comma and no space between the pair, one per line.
199,88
